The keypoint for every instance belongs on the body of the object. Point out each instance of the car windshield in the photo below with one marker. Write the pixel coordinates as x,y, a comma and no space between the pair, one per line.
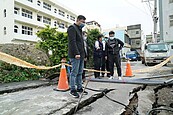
157,47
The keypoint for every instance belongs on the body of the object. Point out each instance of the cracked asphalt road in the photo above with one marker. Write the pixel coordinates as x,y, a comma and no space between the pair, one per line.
45,101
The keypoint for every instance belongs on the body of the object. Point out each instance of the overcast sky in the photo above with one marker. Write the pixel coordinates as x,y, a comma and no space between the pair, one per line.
110,13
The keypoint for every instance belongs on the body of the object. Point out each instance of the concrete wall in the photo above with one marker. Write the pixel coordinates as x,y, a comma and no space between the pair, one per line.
166,9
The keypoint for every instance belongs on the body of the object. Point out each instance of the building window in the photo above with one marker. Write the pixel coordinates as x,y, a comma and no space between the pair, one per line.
62,25
137,32
171,20
27,13
72,18
5,30
27,30
15,29
62,13
46,6
137,42
39,18
30,0
38,3
55,10
55,23
67,16
5,13
171,46
46,20
170,1
16,10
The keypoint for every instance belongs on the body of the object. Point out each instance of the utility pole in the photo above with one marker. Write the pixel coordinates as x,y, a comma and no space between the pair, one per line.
155,20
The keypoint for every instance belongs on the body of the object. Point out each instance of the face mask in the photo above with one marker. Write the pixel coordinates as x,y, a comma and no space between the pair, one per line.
84,38
82,25
111,38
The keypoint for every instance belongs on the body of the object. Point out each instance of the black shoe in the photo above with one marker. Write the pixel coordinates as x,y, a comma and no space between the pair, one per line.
81,90
74,94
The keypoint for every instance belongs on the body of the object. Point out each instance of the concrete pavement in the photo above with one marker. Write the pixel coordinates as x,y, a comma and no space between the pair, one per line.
44,100
39,98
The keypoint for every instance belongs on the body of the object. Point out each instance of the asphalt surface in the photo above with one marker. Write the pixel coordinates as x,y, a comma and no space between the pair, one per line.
41,99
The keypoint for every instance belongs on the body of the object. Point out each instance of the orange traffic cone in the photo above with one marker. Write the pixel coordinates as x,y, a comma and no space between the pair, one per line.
128,70
63,81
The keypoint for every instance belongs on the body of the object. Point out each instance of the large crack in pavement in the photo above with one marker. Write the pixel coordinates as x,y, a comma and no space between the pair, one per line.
88,101
158,96
130,109
133,104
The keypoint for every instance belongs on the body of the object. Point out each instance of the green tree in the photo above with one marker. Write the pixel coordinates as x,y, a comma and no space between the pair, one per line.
91,37
52,40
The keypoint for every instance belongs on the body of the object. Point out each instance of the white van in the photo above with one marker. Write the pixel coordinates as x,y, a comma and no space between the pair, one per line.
155,53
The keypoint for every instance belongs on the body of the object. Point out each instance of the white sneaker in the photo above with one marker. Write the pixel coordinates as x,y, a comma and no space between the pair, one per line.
120,78
111,77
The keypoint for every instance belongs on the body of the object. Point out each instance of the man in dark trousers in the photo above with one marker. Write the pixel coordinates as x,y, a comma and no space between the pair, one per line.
76,53
98,54
113,46
104,61
86,54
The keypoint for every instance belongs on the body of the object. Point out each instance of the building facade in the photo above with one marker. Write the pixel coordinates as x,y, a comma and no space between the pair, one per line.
135,33
149,38
22,19
92,25
166,20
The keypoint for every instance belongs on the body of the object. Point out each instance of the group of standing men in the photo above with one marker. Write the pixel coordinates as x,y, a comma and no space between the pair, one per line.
106,52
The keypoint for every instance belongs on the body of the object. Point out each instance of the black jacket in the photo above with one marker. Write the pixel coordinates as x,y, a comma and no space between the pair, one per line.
113,46
75,42
99,52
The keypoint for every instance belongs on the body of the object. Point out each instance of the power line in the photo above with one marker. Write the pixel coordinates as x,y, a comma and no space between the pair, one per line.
136,7
145,9
150,7
150,10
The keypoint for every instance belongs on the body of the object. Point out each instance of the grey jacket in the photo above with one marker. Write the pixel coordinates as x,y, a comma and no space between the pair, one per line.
75,42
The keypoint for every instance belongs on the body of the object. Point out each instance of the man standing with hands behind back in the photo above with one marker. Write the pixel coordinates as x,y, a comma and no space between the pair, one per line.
76,53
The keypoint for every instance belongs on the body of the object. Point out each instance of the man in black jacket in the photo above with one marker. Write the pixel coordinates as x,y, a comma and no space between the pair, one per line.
76,54
112,49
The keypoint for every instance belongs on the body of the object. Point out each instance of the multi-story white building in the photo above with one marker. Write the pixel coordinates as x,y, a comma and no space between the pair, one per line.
92,25
22,19
166,20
